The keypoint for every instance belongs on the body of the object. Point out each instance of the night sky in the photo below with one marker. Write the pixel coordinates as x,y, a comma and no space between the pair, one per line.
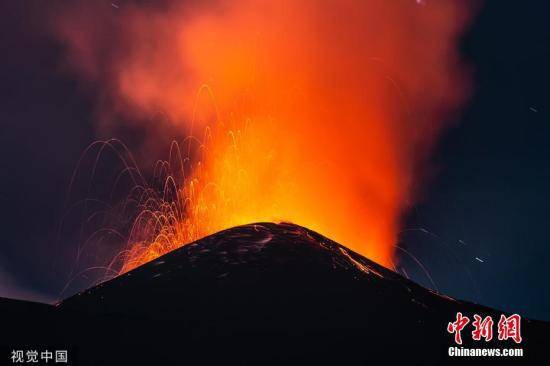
481,228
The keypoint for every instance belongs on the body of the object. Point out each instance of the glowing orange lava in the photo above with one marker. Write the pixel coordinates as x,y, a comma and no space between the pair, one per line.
321,113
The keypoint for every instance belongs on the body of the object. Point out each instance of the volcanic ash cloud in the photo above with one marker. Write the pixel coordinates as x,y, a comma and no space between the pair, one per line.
320,112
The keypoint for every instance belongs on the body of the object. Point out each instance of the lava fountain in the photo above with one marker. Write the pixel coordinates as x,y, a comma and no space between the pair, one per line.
321,113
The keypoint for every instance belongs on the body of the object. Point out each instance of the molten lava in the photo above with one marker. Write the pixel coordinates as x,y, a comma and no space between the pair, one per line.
321,113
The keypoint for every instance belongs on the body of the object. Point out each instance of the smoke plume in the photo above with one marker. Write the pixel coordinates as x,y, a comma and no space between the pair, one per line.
321,112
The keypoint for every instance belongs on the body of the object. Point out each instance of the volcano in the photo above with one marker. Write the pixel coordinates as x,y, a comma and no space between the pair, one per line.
262,293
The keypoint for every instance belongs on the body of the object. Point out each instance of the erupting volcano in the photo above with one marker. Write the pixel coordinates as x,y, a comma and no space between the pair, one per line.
250,173
321,113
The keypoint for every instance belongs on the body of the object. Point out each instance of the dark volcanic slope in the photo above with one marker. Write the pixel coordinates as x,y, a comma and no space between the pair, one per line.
256,294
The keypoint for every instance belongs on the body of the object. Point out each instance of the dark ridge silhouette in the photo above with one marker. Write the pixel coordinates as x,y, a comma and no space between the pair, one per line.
256,294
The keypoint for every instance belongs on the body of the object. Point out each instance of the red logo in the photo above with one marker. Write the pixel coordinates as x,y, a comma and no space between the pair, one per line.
508,328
